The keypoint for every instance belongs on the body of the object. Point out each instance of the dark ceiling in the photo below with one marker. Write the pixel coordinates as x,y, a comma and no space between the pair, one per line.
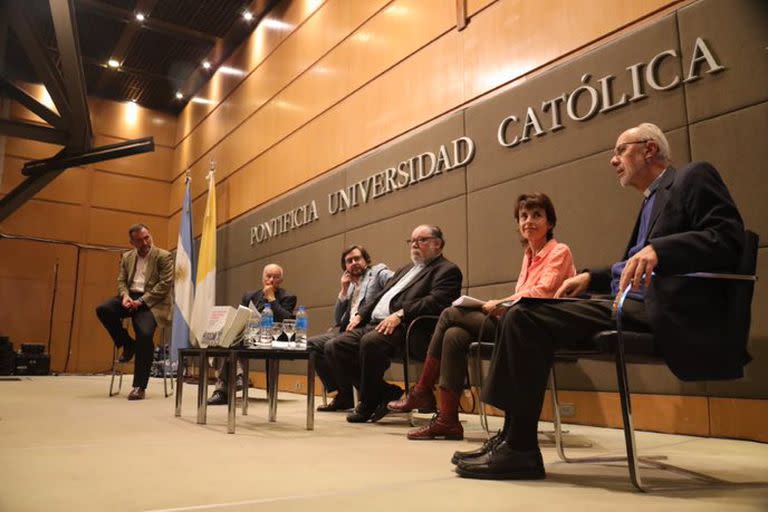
158,57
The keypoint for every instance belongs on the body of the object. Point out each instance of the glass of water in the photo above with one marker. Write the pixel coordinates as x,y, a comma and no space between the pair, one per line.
289,328
276,331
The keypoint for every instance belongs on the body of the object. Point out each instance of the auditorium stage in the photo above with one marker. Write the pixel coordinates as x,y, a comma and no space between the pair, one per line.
64,445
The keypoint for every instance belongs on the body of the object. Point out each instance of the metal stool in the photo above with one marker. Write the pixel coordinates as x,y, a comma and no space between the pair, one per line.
117,368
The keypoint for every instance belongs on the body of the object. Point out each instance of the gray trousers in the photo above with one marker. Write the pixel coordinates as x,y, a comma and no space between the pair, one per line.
456,329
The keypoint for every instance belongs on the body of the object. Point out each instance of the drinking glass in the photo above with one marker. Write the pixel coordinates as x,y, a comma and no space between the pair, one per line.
289,328
276,331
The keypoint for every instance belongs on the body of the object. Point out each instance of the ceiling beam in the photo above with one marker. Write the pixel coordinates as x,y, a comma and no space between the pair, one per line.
65,26
156,25
9,89
33,131
25,191
39,58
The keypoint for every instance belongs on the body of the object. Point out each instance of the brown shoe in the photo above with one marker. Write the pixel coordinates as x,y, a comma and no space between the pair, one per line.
136,394
438,428
421,399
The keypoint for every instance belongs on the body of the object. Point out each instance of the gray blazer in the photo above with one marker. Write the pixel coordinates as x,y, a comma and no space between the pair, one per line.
371,282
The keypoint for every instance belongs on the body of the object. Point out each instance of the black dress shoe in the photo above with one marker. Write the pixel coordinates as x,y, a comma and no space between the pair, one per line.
485,448
504,463
337,404
361,414
136,394
128,351
390,393
219,397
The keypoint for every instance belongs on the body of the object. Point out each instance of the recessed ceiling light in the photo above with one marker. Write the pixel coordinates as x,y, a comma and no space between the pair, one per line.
140,17
206,64
133,100
247,15
179,95
113,63
229,70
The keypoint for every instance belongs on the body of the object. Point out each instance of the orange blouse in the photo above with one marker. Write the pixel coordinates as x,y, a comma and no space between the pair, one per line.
543,275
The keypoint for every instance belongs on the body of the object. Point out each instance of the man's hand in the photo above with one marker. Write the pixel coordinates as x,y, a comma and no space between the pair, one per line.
127,302
345,280
639,269
269,292
388,325
574,286
136,304
354,322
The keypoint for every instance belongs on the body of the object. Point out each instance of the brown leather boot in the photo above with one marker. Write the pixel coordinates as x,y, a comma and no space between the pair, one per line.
420,398
438,428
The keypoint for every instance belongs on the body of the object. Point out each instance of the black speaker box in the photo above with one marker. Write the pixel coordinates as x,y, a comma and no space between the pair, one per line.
32,348
32,364
7,356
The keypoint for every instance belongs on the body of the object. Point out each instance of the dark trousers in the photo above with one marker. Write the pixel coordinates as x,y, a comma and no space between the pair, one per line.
111,314
360,357
323,366
529,336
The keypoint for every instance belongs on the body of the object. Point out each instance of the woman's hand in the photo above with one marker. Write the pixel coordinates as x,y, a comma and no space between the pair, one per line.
492,307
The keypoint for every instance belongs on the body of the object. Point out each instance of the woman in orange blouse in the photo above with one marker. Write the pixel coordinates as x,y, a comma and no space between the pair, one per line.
546,264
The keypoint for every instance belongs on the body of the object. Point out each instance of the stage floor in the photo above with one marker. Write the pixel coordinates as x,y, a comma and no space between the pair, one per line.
65,445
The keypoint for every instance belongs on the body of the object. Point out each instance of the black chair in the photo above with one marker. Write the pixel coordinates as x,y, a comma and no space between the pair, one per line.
637,347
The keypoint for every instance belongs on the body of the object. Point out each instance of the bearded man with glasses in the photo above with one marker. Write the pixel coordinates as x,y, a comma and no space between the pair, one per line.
360,356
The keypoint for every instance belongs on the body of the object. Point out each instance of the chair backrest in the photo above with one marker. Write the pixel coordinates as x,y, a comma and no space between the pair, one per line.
740,293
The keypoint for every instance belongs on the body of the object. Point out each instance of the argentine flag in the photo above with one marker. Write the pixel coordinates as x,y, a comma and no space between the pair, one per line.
184,279
205,291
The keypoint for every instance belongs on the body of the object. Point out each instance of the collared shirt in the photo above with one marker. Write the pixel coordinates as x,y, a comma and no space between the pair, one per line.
139,277
541,275
381,311
355,297
640,241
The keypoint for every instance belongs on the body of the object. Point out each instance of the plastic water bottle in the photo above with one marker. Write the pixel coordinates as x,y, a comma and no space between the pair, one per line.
267,319
302,325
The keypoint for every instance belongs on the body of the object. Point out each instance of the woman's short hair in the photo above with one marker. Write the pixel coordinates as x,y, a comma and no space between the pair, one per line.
366,256
538,200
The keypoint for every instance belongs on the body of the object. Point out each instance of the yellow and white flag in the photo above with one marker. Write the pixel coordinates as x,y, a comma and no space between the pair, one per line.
205,291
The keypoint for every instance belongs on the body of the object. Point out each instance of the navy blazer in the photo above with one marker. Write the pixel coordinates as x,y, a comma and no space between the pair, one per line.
282,306
694,227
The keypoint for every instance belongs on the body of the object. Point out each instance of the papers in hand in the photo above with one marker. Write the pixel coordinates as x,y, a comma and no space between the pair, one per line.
225,326
465,301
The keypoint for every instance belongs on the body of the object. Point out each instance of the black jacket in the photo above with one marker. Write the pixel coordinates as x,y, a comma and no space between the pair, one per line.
694,227
282,306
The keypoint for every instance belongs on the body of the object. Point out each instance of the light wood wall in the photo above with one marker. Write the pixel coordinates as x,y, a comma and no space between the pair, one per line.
344,77
91,205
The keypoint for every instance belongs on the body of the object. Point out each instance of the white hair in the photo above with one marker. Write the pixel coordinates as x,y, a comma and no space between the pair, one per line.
652,132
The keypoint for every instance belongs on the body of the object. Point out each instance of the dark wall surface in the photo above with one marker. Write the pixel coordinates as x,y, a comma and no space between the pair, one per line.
721,117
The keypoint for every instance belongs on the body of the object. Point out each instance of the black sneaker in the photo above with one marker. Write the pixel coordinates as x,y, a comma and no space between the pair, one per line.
473,454
361,414
219,397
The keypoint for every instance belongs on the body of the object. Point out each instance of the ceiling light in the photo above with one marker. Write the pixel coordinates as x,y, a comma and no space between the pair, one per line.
202,101
247,15
179,95
206,64
228,70
113,63
140,17
273,23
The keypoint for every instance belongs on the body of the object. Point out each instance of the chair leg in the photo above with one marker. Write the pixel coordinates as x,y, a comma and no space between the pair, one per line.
325,396
117,367
478,364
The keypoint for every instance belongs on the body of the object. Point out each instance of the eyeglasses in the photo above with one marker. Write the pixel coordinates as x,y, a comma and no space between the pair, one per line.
352,259
420,240
621,148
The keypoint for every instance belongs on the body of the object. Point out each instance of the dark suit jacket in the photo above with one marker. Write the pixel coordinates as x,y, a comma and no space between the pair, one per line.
282,306
429,293
695,227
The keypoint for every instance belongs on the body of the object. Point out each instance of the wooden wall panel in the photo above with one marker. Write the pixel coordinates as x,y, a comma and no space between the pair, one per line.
47,220
129,194
109,227
69,187
262,42
739,418
514,37
130,121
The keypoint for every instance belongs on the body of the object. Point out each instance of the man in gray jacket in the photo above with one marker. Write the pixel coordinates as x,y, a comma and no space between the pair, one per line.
359,282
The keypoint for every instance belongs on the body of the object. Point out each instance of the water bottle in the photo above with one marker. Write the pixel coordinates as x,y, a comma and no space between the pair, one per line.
267,319
302,324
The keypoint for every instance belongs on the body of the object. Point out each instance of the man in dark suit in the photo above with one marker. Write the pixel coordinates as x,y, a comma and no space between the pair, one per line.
360,282
362,354
144,293
282,304
688,222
